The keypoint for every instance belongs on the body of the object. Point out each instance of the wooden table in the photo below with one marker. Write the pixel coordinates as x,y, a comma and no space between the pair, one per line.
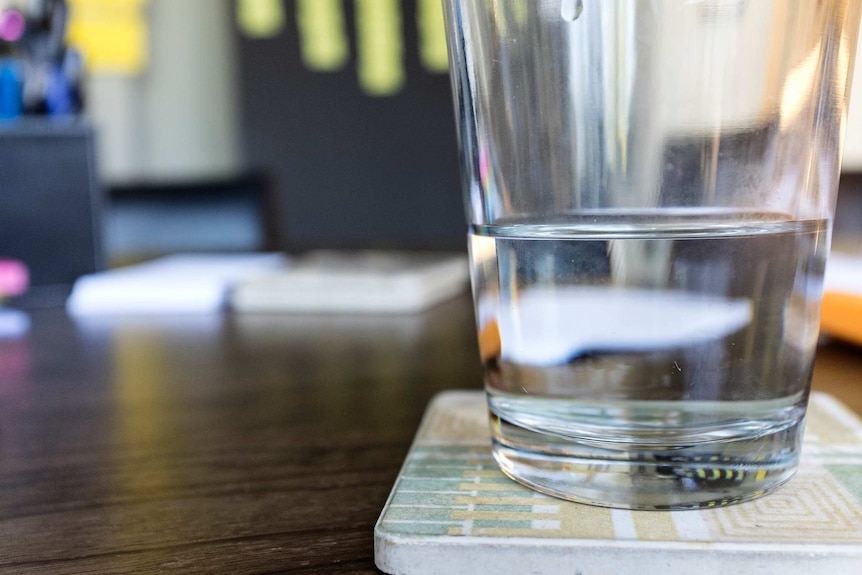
237,444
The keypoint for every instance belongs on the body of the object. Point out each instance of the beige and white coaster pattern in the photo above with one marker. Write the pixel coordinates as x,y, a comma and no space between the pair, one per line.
453,511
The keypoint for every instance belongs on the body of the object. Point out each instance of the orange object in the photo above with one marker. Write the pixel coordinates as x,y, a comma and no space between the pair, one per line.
841,316
489,341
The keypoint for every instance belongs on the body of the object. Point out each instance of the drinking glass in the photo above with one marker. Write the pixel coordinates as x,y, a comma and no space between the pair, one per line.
650,187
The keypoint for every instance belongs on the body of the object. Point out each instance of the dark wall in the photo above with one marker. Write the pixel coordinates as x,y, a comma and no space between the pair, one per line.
352,170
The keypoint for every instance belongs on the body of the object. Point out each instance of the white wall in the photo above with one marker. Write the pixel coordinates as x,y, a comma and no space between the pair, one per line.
853,137
179,120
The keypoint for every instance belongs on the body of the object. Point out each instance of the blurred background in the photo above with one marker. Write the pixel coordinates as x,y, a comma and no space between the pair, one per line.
137,128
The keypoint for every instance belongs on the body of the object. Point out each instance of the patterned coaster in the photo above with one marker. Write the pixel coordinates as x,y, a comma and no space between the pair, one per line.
453,511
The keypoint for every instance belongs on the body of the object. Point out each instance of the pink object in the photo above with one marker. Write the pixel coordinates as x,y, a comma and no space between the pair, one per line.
12,25
14,278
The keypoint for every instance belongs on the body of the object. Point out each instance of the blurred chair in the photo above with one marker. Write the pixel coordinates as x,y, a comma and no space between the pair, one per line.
150,219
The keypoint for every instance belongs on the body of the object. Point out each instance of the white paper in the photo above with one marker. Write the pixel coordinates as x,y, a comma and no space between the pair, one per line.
552,326
363,282
182,283
843,274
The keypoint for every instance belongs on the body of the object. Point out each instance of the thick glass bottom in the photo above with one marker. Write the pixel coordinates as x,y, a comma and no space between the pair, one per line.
647,477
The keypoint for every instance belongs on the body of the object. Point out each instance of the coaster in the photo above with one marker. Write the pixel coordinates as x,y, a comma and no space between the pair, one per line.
453,511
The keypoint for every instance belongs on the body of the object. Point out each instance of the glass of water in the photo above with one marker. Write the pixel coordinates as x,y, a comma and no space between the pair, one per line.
650,187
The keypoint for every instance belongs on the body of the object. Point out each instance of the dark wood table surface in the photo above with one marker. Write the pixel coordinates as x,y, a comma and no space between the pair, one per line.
227,444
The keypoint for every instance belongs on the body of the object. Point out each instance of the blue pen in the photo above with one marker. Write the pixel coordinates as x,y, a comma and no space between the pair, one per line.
10,89
58,93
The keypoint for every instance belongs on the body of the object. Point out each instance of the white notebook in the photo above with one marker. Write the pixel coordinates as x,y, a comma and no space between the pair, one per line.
360,282
182,283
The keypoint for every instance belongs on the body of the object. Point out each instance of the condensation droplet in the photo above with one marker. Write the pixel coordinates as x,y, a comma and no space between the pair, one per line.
571,9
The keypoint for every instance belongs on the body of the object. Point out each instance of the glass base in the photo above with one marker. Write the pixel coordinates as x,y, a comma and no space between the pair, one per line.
654,478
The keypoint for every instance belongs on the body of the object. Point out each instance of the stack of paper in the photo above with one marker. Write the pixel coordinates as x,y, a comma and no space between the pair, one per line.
174,284
369,282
